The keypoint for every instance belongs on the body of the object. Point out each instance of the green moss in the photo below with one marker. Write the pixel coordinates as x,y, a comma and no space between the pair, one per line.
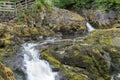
1,78
6,73
100,79
76,53
95,50
34,31
72,75
103,37
51,59
2,53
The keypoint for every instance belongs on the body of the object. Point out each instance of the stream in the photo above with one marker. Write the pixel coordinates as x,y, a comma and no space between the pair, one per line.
89,27
35,68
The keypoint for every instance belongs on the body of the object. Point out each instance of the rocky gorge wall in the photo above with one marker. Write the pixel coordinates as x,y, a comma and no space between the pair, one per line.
95,56
12,35
102,19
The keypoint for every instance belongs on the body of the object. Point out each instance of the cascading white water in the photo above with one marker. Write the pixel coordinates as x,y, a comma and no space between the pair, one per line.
34,68
89,27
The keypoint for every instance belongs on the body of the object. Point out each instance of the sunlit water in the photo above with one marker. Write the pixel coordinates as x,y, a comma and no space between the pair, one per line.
33,67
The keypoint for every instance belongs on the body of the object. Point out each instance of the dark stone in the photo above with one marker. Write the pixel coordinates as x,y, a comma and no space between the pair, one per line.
55,69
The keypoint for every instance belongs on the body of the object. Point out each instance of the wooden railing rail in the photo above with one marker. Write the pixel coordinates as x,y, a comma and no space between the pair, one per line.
7,6
24,4
9,10
13,6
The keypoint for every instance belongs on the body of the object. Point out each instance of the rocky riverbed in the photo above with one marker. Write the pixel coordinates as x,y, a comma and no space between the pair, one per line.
83,55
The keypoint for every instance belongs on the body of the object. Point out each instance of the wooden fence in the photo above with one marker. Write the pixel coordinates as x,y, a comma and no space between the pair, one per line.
7,6
24,4
9,10
13,6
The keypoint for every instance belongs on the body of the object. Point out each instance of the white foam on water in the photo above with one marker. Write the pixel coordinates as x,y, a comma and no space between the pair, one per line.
89,27
34,68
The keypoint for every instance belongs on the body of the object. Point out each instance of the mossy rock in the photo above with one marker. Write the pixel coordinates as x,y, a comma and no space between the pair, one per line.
6,73
102,19
87,59
63,20
51,59
97,55
68,74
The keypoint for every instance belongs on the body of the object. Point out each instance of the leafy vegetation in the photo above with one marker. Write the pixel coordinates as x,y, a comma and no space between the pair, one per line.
38,4
43,3
87,4
30,16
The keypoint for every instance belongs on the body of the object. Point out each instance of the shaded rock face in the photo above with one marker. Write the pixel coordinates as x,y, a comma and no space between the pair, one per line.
102,19
6,73
95,57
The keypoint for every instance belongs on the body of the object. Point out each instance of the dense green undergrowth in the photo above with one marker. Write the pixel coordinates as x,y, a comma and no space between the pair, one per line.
88,4
78,4
27,16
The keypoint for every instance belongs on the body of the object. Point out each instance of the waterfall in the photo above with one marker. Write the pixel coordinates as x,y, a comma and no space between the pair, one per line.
33,67
89,27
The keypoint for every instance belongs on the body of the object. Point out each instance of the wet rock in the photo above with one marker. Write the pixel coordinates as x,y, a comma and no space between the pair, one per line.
96,56
55,69
102,19
64,72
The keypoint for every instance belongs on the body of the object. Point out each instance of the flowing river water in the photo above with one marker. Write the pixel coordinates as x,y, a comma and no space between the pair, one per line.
39,69
34,67
89,27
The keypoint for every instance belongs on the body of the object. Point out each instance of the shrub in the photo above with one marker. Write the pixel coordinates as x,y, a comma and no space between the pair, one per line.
38,4
87,4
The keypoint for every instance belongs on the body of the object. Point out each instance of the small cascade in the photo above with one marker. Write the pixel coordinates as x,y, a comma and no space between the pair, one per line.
33,67
89,27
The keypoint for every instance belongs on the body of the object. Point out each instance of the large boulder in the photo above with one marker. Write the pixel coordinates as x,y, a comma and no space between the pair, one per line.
38,26
102,19
46,24
97,55
64,21
54,19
